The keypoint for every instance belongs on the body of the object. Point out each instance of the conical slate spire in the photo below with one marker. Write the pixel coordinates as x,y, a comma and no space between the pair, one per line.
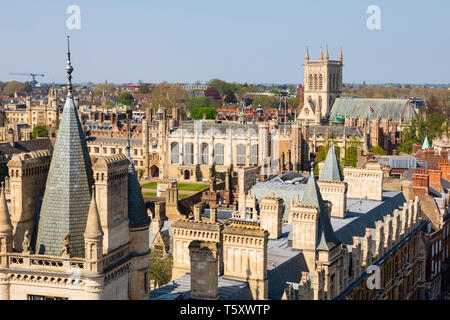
326,238
93,226
5,219
67,194
331,169
137,215
425,144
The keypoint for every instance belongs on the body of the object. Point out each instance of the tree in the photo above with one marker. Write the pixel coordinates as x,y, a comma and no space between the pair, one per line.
160,268
169,96
351,151
199,102
213,93
27,87
378,150
230,98
12,87
144,89
126,99
39,131
198,112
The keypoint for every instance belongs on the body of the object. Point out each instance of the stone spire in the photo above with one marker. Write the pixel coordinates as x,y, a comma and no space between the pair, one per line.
326,238
307,54
340,55
5,219
326,53
93,226
321,54
331,169
67,194
137,215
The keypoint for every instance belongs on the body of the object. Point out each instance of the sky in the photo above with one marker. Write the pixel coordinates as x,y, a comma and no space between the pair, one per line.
254,41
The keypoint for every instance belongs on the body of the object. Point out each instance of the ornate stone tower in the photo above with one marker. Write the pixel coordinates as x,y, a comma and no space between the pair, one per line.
323,82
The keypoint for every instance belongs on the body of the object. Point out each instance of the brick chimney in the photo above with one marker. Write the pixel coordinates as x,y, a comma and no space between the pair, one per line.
420,182
444,166
435,179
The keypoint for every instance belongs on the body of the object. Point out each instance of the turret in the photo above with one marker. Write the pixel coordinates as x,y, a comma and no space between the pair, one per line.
93,240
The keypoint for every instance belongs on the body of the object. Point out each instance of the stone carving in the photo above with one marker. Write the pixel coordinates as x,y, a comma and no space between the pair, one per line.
66,246
26,244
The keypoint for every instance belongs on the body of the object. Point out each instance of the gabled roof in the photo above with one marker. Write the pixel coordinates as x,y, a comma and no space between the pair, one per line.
392,109
67,194
326,238
331,169
137,214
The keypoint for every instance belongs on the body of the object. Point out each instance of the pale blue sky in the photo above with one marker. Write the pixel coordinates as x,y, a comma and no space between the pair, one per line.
251,41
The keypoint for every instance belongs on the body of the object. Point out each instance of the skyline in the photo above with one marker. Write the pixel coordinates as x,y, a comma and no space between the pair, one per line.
253,42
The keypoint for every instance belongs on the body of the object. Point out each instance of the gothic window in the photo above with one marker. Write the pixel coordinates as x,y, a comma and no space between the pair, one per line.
175,153
240,152
204,159
320,82
254,154
315,82
218,153
188,157
310,81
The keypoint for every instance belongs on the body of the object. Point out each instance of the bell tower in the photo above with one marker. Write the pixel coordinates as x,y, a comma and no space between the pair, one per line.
323,82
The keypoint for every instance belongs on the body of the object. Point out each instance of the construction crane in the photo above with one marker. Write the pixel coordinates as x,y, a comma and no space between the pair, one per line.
34,83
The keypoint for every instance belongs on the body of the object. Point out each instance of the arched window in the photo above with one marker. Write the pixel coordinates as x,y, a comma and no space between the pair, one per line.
310,81
204,158
320,82
218,153
315,82
240,152
254,154
188,155
175,153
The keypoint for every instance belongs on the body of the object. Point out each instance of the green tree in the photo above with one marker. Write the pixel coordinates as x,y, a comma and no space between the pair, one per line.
39,131
351,151
126,98
12,87
160,268
199,102
198,112
378,150
230,98
143,89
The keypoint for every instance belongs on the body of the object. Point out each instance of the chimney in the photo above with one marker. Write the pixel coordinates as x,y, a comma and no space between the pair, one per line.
204,265
198,212
213,214
435,179
420,182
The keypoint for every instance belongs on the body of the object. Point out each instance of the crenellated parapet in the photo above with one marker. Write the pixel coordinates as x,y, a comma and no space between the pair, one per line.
364,183
336,192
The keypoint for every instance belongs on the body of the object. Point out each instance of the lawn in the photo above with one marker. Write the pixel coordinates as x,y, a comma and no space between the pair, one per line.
181,186
192,186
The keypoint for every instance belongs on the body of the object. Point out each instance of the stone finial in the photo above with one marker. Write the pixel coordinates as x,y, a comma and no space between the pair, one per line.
340,55
321,54
93,225
307,54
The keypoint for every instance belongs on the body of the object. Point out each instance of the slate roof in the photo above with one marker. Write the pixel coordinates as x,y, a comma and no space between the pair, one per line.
392,109
67,193
180,289
137,214
331,169
326,239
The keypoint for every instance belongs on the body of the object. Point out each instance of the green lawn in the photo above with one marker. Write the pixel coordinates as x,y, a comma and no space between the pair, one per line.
181,186
192,186
151,185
